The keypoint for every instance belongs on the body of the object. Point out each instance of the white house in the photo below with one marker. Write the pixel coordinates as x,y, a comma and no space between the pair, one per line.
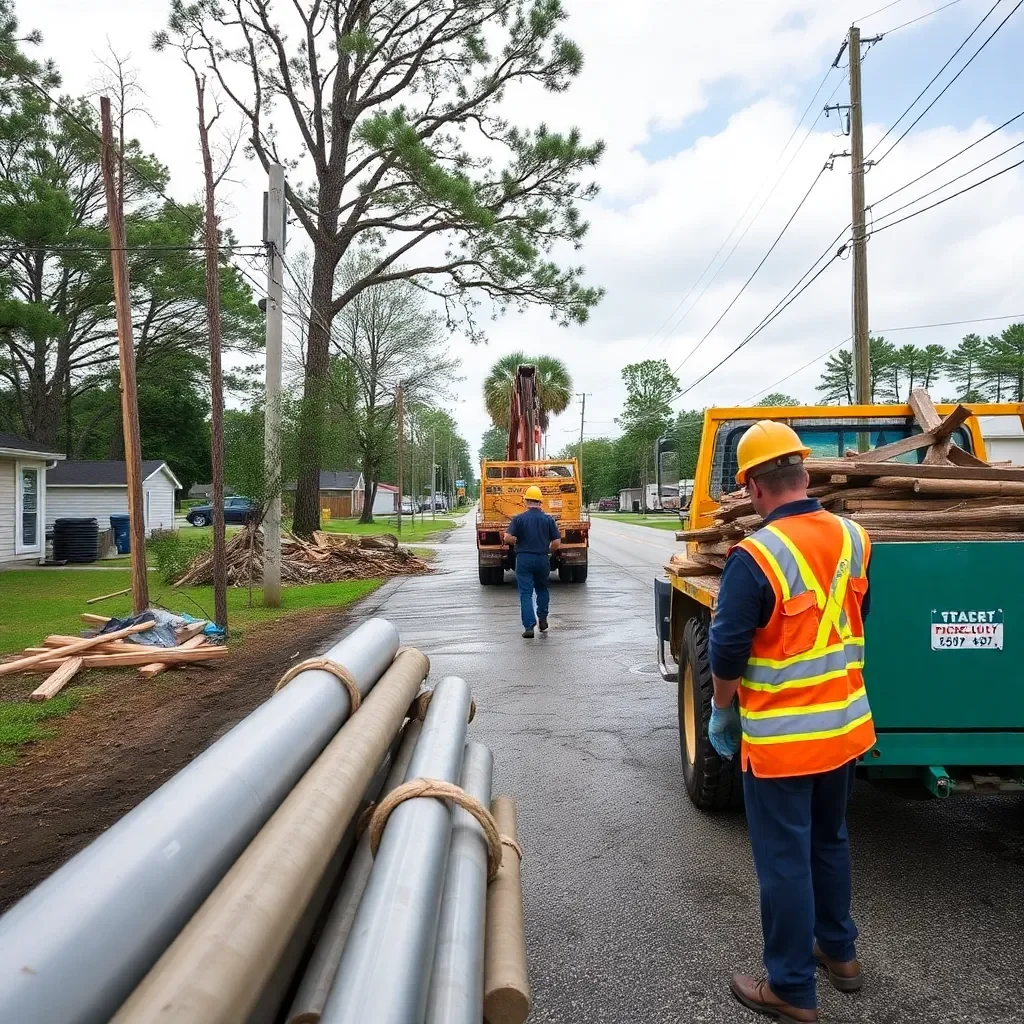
99,489
23,472
1004,438
385,501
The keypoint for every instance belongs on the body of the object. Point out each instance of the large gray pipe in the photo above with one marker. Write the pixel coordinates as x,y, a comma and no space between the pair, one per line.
385,969
457,980
316,983
76,946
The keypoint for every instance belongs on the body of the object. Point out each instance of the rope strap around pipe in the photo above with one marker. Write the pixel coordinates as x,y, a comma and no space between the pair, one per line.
511,843
418,708
339,672
415,788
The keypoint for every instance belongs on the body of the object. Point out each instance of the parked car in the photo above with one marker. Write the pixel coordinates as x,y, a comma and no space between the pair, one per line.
440,505
407,507
608,505
236,510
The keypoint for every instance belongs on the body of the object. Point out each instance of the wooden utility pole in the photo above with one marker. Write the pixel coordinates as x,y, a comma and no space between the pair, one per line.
583,414
274,238
861,336
400,420
433,473
212,241
126,353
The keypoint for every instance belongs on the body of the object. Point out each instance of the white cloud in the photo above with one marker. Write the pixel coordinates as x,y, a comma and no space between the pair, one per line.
650,66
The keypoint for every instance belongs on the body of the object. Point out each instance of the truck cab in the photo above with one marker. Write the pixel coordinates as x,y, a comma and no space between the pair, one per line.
502,489
948,717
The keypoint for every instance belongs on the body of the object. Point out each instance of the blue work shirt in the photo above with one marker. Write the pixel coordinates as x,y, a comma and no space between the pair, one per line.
534,530
746,601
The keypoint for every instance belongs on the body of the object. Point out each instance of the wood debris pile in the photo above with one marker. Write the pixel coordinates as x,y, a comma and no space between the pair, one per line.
950,496
328,558
61,658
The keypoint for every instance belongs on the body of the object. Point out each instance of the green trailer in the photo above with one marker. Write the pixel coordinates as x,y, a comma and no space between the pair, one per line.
944,640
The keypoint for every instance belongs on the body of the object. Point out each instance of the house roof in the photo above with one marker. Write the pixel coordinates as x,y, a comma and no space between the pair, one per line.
339,479
1000,426
387,487
13,443
103,473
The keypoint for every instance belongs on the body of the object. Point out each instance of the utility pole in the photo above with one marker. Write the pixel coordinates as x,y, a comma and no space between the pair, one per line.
583,412
433,473
401,432
861,337
273,236
126,354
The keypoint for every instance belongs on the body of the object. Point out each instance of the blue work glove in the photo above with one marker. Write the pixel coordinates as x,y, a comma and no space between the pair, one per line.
724,731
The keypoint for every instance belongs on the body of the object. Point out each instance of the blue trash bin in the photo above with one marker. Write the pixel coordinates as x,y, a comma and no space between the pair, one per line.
122,534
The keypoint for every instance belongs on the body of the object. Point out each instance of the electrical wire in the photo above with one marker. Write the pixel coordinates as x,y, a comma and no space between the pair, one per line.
811,362
743,215
963,191
864,17
753,274
914,21
949,159
127,248
944,89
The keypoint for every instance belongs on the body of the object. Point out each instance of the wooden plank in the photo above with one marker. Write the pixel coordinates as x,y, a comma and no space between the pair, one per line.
169,655
970,488
684,569
933,535
107,597
928,416
55,683
94,620
21,664
956,419
901,447
968,518
959,457
154,669
857,468
714,561
711,533
189,631
937,504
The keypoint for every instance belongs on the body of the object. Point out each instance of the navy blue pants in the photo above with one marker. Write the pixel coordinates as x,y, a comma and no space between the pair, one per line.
532,572
802,858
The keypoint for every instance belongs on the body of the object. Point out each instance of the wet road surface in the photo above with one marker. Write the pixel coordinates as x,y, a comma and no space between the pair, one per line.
639,907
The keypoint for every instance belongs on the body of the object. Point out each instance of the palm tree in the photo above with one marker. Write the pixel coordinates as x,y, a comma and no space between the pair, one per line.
553,383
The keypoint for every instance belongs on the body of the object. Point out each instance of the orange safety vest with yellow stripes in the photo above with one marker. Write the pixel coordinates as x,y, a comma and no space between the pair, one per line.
803,705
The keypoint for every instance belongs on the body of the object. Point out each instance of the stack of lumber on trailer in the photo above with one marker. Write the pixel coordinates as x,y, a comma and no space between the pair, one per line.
62,657
328,558
950,496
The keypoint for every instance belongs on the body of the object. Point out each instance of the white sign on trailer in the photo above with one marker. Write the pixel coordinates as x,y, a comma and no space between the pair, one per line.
968,630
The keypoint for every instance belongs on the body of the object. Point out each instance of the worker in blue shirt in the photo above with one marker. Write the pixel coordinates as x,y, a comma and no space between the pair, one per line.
535,535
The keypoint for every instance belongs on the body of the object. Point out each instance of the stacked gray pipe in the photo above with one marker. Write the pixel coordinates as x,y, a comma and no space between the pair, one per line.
385,969
76,946
457,981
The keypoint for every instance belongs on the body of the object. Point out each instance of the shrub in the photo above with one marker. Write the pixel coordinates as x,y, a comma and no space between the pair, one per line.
174,552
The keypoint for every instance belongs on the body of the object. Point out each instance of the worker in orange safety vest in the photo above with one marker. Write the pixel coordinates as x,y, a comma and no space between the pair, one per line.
787,647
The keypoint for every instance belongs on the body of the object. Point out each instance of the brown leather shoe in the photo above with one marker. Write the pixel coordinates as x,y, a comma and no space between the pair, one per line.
845,976
757,996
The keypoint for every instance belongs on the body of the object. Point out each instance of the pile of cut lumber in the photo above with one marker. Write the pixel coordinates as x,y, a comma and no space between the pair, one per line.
63,657
950,496
329,558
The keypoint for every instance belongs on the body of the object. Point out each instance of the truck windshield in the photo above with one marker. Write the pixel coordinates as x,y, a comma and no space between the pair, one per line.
827,439
530,469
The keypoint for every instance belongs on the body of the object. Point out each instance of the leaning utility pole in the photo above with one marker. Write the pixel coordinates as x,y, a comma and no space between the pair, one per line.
126,354
212,243
400,419
861,336
273,236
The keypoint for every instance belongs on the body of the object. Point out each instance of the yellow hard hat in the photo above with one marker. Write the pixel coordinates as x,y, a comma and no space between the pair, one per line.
767,441
533,493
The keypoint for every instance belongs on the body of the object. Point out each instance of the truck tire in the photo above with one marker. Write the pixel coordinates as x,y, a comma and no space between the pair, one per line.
565,573
485,575
579,573
712,783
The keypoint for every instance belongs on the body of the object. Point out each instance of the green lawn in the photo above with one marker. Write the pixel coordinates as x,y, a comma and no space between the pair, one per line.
658,522
20,720
421,529
37,602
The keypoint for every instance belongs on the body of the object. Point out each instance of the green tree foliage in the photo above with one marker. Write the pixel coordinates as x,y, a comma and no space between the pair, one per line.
837,384
553,385
602,473
778,399
687,431
494,445
1004,364
646,415
965,368
395,109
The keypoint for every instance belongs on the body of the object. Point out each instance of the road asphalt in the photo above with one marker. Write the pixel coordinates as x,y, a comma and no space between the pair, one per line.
639,907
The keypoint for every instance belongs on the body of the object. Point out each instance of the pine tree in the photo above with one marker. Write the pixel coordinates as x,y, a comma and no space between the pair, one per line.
837,381
1006,359
964,367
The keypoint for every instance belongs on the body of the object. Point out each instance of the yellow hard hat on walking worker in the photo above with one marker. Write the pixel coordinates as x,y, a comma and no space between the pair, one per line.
767,441
533,493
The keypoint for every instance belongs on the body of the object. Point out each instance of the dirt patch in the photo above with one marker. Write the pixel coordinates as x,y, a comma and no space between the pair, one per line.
122,742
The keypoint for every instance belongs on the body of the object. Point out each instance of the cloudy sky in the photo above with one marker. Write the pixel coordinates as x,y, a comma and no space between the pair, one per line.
696,100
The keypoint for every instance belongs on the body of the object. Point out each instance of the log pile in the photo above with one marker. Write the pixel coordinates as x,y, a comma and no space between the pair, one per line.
950,496
61,657
328,558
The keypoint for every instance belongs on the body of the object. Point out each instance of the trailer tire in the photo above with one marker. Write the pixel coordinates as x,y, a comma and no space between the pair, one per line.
565,574
712,782
485,575
579,573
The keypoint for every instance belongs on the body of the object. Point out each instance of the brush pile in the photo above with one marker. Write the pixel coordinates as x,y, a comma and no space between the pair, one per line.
329,558
950,496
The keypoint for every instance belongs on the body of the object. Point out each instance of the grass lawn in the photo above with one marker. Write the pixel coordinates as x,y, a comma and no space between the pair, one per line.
20,721
664,521
37,602
421,529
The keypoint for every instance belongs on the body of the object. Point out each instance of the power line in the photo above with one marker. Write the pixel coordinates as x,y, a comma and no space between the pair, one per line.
128,248
950,159
944,89
743,288
743,215
914,21
917,213
811,362
864,17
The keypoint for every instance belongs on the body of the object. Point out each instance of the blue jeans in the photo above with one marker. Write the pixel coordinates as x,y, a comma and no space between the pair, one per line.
532,572
802,857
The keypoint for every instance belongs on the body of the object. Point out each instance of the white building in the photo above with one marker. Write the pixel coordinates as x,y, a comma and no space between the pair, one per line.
99,489
23,471
1004,438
